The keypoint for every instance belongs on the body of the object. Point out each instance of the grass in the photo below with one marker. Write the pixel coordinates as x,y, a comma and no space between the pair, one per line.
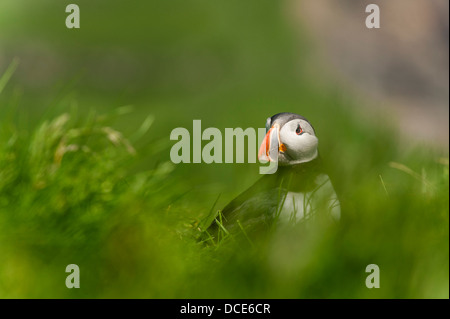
87,180
70,192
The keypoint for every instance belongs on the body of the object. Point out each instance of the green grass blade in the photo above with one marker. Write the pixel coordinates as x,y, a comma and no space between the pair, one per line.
4,79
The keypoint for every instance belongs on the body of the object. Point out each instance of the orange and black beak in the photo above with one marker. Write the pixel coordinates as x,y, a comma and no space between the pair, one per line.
271,144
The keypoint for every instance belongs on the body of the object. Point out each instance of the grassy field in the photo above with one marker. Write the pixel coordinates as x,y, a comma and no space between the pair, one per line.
86,178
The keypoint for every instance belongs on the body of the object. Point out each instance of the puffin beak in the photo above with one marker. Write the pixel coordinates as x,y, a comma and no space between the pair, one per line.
268,150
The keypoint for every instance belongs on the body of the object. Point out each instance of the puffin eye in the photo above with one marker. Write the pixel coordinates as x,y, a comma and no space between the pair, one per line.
299,130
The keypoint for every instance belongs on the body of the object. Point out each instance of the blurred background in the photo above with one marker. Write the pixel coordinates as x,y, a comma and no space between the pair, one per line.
96,186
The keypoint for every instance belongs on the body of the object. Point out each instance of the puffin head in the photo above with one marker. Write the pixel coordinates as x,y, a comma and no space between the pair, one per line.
290,139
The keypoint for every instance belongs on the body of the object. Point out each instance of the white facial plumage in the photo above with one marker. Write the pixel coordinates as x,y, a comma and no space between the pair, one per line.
300,141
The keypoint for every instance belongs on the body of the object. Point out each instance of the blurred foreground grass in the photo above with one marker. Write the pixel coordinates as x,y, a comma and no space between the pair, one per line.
81,183
70,192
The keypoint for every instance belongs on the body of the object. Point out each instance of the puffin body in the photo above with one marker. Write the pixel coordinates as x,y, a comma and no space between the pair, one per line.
297,192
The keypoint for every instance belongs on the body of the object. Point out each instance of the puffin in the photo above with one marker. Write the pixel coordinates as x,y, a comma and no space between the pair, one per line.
298,192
